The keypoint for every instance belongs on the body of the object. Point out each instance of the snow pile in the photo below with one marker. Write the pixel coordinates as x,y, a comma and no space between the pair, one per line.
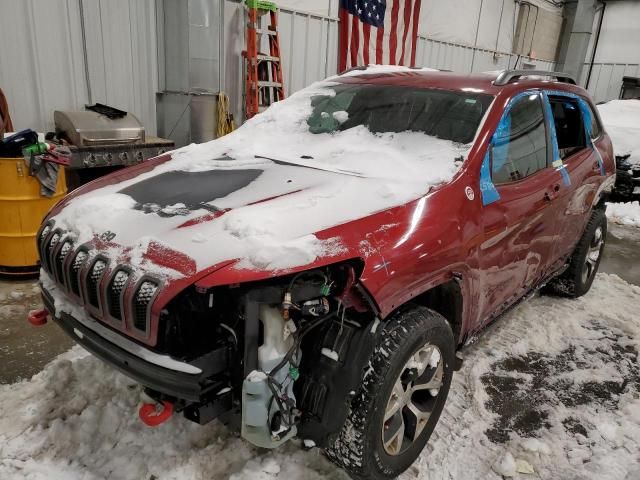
345,176
621,119
624,213
553,388
555,385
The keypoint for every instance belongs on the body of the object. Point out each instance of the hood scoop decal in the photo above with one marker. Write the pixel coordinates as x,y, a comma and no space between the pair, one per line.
179,192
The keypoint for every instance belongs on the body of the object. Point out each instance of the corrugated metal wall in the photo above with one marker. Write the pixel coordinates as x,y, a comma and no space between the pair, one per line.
467,59
41,60
61,54
606,79
617,54
65,53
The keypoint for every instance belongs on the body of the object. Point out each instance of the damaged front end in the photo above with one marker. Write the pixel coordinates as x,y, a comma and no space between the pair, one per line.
296,347
275,358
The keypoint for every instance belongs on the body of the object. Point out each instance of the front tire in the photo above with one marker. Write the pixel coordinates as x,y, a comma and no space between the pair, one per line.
585,260
400,398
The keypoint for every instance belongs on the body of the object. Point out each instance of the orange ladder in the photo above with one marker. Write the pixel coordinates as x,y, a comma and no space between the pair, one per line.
264,83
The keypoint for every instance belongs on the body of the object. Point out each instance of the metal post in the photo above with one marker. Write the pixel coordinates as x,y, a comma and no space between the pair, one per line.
475,42
572,59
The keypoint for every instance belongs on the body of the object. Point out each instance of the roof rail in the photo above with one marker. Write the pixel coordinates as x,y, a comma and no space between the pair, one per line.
352,69
364,67
507,76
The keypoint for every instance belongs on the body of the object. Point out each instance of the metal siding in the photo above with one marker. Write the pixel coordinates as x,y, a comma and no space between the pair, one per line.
308,43
606,79
459,58
44,69
121,55
41,68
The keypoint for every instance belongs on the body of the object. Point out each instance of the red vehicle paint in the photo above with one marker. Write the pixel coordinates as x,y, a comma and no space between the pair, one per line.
456,233
496,252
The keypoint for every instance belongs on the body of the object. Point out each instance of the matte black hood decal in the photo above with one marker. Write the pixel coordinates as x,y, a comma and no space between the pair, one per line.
193,189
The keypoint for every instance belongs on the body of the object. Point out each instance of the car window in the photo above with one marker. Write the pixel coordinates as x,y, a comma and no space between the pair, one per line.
596,130
567,118
448,115
519,147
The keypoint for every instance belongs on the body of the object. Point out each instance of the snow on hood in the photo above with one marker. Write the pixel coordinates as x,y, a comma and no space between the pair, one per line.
290,184
621,118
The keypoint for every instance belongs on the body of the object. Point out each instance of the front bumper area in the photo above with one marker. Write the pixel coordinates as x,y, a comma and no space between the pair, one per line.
191,387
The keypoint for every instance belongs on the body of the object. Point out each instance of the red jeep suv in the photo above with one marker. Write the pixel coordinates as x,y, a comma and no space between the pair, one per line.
313,273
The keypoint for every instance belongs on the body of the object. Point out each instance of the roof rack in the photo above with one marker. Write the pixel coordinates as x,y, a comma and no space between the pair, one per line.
507,76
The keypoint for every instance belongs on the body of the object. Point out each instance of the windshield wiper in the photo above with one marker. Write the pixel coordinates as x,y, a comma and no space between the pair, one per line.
293,164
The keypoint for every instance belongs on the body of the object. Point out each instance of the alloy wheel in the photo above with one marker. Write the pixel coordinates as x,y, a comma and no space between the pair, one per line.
593,255
412,399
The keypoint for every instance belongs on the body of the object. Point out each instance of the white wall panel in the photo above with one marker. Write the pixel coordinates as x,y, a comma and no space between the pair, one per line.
460,58
619,41
42,58
121,55
606,79
304,39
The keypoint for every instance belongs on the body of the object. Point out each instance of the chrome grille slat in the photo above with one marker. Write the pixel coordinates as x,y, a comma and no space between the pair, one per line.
41,244
93,282
142,300
59,259
74,271
51,245
115,292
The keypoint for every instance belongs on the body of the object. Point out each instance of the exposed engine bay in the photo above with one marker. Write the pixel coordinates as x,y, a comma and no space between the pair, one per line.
283,357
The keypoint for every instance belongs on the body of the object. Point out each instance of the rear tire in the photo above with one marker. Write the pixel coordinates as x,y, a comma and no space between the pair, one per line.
585,260
400,398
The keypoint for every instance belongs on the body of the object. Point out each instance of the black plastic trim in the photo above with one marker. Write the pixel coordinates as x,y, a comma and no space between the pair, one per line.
181,385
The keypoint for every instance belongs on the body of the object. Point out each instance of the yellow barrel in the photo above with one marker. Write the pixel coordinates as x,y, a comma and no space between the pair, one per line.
22,209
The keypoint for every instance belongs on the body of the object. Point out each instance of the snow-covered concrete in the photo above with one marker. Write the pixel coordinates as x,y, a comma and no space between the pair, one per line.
627,213
553,387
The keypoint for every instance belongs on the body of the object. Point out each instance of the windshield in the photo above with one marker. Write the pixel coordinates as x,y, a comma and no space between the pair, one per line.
442,114
404,134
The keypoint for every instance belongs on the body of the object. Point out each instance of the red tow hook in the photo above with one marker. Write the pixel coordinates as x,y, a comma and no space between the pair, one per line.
38,318
151,416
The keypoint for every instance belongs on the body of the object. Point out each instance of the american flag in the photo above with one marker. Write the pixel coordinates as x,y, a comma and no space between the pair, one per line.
378,31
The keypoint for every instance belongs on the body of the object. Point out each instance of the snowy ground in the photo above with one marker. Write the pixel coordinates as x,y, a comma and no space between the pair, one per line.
554,387
624,213
621,118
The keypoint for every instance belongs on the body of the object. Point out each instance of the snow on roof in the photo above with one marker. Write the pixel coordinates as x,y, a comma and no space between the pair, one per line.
621,119
378,69
77,419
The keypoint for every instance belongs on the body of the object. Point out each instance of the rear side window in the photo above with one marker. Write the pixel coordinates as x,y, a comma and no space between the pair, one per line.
596,130
519,148
567,118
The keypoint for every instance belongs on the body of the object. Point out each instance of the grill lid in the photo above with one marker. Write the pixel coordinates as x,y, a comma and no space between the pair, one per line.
92,128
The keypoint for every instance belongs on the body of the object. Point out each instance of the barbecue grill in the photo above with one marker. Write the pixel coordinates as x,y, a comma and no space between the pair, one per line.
109,138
